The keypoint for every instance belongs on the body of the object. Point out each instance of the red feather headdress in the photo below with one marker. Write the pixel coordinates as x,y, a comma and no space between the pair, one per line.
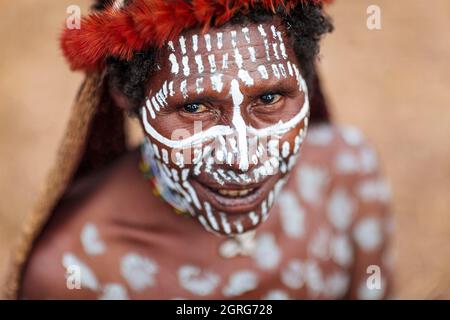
120,32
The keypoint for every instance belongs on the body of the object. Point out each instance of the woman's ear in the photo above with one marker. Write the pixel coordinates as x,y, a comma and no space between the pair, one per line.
120,99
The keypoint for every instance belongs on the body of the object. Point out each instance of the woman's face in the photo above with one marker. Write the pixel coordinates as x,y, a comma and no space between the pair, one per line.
225,116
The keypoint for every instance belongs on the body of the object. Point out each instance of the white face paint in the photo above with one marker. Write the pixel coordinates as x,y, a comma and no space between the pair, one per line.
233,142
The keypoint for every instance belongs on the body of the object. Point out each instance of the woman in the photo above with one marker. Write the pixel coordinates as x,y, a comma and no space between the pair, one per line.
230,195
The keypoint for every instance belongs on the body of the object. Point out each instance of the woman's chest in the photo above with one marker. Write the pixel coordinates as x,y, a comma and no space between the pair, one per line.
281,260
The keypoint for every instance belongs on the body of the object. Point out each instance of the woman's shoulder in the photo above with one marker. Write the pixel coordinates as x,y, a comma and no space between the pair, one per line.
339,160
71,230
344,149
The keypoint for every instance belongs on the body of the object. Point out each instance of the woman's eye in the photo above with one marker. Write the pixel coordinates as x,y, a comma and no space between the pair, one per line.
194,108
269,98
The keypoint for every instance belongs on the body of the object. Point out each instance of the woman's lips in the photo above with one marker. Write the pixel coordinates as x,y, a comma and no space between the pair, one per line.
235,193
235,199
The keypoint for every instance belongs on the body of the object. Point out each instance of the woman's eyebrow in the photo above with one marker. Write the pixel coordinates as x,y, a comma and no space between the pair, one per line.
207,95
282,86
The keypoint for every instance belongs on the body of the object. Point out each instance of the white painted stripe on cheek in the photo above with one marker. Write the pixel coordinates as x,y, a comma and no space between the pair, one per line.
175,66
204,223
156,151
155,104
253,217
175,175
239,227
285,149
161,99
209,215
150,109
264,212
165,156
193,194
179,160
165,89
225,224
239,124
198,138
171,92
199,61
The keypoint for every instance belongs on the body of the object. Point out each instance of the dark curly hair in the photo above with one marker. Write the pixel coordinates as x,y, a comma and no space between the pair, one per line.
305,25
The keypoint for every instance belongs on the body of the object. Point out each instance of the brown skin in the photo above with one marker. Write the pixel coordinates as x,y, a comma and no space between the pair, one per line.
119,202
217,108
